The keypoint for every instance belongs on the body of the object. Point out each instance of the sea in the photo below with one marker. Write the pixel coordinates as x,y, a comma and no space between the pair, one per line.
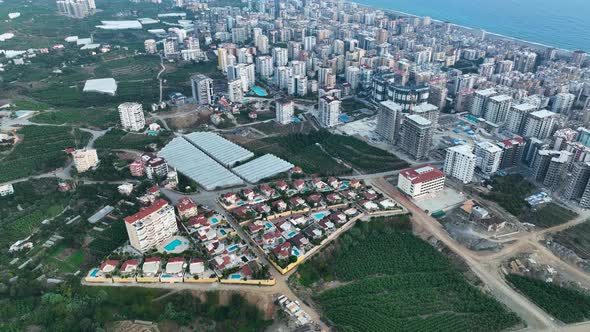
563,24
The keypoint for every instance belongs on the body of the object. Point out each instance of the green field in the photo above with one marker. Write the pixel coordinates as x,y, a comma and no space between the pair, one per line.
119,139
566,304
108,240
41,150
576,238
548,215
86,117
309,152
511,190
72,307
397,282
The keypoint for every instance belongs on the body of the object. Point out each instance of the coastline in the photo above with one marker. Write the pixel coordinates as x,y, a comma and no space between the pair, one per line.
489,34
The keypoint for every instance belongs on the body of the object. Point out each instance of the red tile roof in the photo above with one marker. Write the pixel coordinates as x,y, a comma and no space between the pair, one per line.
131,262
422,174
185,203
109,262
151,259
176,259
146,212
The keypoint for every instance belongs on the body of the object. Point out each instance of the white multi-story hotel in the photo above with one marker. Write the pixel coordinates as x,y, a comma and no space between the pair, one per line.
420,181
131,115
85,159
284,111
460,162
202,88
329,111
488,157
151,226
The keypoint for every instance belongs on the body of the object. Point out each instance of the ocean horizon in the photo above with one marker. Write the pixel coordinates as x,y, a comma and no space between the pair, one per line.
560,24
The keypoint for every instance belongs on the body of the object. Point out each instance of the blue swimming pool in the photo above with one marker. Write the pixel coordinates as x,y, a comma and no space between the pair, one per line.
235,276
172,245
268,225
295,120
344,118
260,92
320,215
165,276
94,273
214,220
296,252
232,248
291,234
223,232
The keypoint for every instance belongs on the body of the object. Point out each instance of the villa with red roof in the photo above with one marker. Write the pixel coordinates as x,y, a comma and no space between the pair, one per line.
419,181
186,208
109,266
130,266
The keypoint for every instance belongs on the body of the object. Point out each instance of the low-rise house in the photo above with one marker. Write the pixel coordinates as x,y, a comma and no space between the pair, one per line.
369,196
230,198
387,204
136,168
313,232
125,189
255,227
338,217
314,200
109,266
223,262
198,221
262,208
174,266
214,247
356,184
6,189
369,205
267,191
206,234
129,266
299,185
298,220
296,202
151,266
196,266
333,198
351,195
333,182
186,208
248,194
271,238
245,212
326,224
299,241
283,251
282,186
318,184
351,211
279,205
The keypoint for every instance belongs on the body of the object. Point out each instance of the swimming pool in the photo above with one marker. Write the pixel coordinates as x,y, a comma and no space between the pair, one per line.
291,234
214,220
268,225
223,232
320,215
235,276
344,118
260,92
94,273
295,120
232,248
296,252
173,244
165,276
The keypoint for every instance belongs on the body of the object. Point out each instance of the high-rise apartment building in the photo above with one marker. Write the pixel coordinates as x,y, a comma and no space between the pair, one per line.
389,121
202,88
131,115
497,108
488,157
460,163
540,124
285,110
516,117
329,111
151,226
416,136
